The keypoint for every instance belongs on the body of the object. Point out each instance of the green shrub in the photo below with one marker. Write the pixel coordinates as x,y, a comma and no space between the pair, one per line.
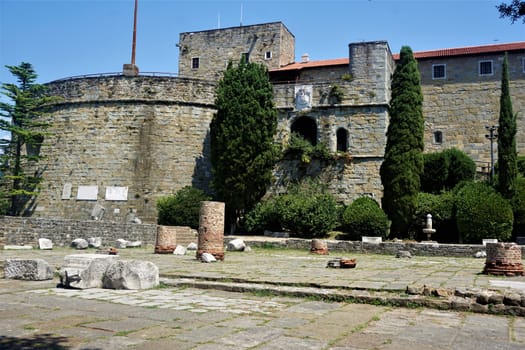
364,217
307,210
4,204
308,215
518,207
481,212
435,172
264,216
441,207
300,148
444,170
521,165
182,208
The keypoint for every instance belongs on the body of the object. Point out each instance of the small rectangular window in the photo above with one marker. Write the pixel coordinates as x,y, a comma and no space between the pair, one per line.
245,56
268,55
523,64
439,71
195,63
485,68
438,137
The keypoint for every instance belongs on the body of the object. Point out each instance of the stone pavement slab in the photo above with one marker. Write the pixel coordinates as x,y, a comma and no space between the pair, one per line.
266,322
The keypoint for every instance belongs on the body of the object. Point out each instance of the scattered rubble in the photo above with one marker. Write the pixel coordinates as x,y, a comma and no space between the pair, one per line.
342,263
45,244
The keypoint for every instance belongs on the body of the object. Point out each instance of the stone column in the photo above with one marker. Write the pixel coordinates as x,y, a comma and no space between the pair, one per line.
318,246
211,230
166,241
503,259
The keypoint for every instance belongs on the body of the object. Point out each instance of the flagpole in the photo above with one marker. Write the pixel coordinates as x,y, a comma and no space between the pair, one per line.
134,34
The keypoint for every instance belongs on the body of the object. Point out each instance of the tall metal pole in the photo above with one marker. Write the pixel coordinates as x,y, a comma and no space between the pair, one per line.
134,34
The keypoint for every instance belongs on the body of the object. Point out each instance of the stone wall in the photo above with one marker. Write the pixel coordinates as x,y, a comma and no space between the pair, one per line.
27,231
148,136
215,48
461,105
389,248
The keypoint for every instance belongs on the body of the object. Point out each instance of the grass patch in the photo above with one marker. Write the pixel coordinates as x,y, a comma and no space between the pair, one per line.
123,333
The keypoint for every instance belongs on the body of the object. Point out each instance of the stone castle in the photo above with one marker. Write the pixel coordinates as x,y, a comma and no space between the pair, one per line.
120,141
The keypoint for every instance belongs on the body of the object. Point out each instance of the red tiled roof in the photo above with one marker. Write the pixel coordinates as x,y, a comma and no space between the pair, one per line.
469,50
313,64
460,51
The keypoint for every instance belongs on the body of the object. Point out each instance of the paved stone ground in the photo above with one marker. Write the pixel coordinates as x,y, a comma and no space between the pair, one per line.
36,315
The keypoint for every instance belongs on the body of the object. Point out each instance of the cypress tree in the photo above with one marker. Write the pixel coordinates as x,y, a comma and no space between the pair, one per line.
507,155
243,151
403,162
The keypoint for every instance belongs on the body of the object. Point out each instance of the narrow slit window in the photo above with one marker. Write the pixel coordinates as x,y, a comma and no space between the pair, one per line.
438,137
342,140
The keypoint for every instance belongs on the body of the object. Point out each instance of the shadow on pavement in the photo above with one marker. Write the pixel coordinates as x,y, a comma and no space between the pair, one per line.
38,341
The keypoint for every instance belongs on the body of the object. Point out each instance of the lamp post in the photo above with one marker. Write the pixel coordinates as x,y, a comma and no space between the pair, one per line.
492,135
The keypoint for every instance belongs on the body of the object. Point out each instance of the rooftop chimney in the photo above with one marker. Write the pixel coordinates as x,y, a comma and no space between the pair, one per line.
305,58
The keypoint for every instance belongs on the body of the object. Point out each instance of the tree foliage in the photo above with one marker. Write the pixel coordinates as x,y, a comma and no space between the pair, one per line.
182,208
515,10
507,154
403,164
243,151
481,212
23,120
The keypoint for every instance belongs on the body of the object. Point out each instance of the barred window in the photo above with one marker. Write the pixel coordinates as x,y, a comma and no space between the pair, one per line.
439,71
195,63
485,68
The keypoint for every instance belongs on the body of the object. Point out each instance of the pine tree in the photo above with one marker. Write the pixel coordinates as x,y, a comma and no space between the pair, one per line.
23,121
243,151
403,163
507,154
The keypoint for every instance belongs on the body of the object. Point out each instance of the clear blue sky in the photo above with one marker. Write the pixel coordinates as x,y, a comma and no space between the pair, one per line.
63,38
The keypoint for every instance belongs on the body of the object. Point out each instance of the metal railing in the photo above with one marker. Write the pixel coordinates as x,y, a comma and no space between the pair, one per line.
114,74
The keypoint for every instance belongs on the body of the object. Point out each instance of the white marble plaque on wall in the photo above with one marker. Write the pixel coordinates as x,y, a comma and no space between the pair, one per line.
87,193
303,97
66,190
117,193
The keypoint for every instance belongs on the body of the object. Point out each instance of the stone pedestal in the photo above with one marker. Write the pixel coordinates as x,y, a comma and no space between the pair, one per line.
503,259
211,230
130,70
166,241
318,247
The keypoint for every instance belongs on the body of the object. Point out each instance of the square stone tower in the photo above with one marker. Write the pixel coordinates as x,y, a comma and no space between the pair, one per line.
205,54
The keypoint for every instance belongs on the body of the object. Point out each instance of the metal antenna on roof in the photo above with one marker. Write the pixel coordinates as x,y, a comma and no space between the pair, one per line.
241,14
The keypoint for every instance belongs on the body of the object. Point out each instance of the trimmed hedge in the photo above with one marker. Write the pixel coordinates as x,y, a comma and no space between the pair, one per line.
481,212
364,217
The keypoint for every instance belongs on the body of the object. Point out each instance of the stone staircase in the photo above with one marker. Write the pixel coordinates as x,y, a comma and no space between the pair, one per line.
186,235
